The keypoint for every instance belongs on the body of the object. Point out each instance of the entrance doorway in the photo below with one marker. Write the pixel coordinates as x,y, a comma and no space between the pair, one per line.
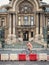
48,39
26,36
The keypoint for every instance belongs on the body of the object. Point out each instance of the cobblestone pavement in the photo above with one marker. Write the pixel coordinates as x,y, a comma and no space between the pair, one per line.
24,63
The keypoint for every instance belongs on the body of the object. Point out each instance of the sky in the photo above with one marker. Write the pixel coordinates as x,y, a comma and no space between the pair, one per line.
3,2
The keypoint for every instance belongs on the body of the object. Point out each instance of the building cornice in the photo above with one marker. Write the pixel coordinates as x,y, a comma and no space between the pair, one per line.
44,5
3,13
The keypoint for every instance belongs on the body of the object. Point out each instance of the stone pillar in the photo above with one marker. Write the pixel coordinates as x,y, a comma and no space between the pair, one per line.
36,31
14,24
37,26
41,25
29,35
8,40
14,35
10,24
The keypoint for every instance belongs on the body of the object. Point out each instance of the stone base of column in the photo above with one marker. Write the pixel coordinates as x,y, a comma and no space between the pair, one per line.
20,39
39,39
39,36
11,39
31,39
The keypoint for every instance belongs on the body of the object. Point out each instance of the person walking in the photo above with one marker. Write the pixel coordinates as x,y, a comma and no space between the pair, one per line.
29,47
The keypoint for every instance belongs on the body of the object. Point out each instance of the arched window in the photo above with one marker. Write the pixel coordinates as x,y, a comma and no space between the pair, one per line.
25,7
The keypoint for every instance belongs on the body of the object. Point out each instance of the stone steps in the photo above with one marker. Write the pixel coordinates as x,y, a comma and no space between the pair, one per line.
22,45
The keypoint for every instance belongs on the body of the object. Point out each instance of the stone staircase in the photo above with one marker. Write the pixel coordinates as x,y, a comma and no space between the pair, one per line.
41,42
23,45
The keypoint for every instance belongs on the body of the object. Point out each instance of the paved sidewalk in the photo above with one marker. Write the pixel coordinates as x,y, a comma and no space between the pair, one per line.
24,63
17,51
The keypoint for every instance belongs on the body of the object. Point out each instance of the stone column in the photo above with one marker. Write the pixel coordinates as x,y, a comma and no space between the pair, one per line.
8,40
14,35
14,23
29,35
37,25
9,24
41,24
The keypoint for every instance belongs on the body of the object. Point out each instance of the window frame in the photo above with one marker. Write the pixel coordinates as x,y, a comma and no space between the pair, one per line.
26,20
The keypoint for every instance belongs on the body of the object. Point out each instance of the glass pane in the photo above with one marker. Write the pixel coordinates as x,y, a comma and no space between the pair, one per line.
26,20
26,7
31,20
19,23
19,18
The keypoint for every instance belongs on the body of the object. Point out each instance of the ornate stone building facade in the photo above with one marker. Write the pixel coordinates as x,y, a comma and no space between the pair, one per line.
25,20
